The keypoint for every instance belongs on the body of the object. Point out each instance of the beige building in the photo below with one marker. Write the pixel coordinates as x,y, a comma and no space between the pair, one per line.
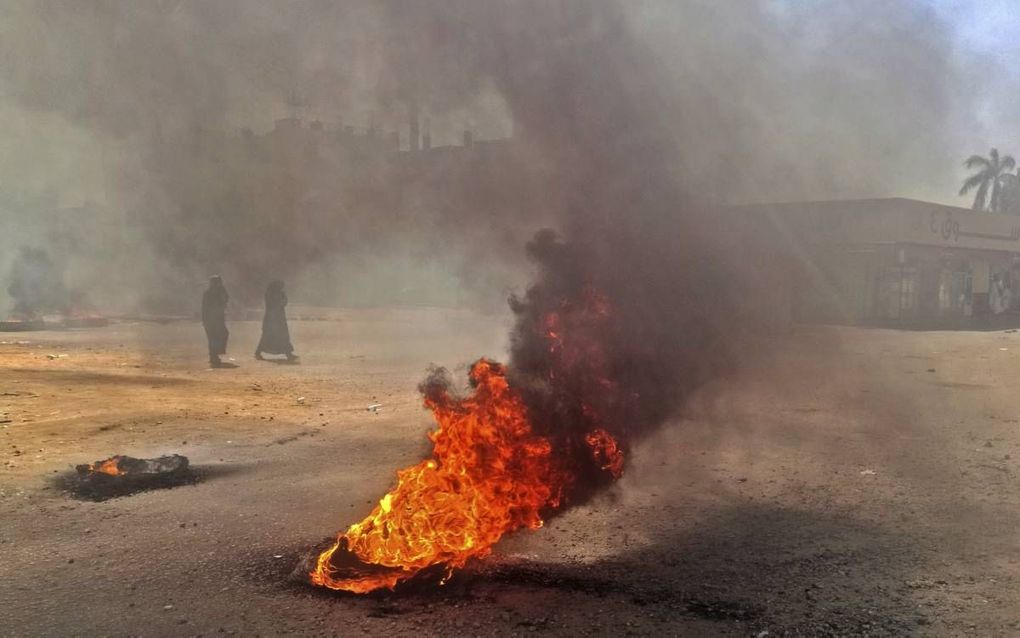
900,261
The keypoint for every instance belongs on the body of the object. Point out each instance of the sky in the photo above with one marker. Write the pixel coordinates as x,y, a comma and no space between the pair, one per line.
987,35
52,148
991,26
837,99
747,100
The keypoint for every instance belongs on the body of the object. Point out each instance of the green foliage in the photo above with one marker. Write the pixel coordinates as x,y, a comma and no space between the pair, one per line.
991,181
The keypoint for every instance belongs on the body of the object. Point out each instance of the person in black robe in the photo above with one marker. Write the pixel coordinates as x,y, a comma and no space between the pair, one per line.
275,334
214,320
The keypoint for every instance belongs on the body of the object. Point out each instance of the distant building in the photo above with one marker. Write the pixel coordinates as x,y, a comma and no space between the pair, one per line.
294,134
900,261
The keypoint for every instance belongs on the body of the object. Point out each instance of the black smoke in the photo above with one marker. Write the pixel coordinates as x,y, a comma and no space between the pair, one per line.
646,290
747,101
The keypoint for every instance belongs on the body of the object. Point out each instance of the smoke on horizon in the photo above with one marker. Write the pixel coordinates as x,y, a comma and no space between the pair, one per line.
764,100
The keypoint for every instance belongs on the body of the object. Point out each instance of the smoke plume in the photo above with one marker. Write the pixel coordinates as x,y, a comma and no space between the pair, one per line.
756,101
646,290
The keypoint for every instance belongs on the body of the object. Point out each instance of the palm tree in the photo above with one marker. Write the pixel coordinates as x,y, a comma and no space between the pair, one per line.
1009,199
989,177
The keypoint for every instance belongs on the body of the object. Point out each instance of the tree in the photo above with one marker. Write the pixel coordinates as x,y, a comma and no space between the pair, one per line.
1010,198
988,179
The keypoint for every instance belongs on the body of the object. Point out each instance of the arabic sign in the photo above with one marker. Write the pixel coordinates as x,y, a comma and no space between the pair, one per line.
945,225
898,221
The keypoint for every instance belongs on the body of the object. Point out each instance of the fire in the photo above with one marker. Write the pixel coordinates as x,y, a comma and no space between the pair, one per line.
605,451
490,474
110,466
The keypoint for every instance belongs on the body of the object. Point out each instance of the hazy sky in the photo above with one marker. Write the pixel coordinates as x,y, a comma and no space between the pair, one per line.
984,25
987,35
53,144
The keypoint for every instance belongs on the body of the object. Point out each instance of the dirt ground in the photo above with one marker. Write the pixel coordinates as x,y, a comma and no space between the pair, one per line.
858,482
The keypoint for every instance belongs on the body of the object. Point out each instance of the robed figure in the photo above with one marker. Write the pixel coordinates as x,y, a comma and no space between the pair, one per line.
275,334
214,319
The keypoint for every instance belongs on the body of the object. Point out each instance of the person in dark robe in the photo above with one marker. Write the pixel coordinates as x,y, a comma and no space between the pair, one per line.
214,320
275,334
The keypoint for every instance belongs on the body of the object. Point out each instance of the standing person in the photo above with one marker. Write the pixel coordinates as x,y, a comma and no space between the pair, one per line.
275,334
998,295
214,320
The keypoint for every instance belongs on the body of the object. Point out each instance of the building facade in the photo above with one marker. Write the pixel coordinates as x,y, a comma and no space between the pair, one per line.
900,262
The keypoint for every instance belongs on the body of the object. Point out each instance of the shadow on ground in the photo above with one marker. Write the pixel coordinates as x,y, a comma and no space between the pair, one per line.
86,377
752,569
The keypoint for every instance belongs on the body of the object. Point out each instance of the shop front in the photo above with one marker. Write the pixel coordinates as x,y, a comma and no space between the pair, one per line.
902,262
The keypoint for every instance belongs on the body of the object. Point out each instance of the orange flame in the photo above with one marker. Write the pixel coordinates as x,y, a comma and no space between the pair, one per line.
605,451
490,474
110,466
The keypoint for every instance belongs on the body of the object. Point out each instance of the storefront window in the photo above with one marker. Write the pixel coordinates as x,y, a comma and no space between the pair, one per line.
897,293
954,292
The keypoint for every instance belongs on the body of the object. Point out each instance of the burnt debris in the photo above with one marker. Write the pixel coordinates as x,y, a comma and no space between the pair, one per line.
125,475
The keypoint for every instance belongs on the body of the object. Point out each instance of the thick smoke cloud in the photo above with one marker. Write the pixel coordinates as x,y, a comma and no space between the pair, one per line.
646,290
749,101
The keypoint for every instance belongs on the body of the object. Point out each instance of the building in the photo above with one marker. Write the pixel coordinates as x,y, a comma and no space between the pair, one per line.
900,261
